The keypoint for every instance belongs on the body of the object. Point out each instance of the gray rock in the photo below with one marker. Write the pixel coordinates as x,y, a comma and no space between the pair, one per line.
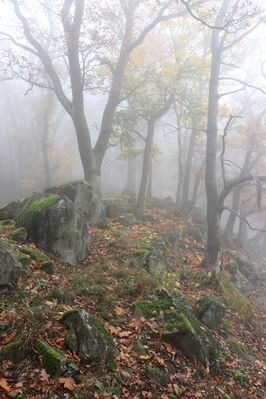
11,210
127,220
20,235
56,364
56,225
48,267
211,312
10,267
14,352
88,336
84,197
139,348
163,254
181,327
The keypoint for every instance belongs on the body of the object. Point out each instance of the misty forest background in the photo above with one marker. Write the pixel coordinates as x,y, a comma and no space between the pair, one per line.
155,98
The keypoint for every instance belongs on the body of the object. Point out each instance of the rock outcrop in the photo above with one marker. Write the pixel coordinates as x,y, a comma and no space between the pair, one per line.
10,267
88,336
211,312
181,327
56,225
85,199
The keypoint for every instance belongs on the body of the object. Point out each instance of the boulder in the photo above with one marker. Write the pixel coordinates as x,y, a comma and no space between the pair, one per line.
56,225
11,210
14,352
161,203
233,296
181,327
84,197
56,364
160,255
114,208
88,336
10,267
20,235
211,312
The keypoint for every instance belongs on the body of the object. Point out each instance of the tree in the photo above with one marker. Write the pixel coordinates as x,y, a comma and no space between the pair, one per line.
72,16
219,45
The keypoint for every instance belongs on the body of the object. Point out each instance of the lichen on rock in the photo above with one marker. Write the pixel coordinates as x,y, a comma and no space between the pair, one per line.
88,336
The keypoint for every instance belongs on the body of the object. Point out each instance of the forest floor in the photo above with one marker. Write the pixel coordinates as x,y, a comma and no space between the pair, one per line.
108,284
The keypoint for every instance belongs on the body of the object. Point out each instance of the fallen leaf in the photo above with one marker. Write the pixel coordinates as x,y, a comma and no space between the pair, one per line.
119,310
4,385
144,357
124,334
68,382
160,361
43,375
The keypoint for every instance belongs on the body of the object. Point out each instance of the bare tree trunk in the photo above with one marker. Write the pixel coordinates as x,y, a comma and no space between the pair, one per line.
149,186
187,172
145,169
131,176
214,208
45,138
229,228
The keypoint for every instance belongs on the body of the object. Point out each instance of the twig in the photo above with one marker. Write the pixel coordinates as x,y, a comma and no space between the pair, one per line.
242,218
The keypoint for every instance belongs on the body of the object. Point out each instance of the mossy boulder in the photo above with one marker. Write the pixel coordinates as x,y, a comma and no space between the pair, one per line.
10,268
48,267
181,327
14,351
86,199
20,235
55,224
54,362
88,336
235,299
211,312
34,253
160,255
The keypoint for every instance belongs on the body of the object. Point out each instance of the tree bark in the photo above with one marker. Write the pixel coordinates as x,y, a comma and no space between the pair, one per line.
187,172
145,169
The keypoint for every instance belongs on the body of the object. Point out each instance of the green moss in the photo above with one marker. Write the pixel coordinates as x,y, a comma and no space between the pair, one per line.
24,260
7,222
140,252
48,267
13,351
68,336
68,312
37,205
176,320
101,327
150,308
17,234
34,254
6,227
50,358
234,297
154,371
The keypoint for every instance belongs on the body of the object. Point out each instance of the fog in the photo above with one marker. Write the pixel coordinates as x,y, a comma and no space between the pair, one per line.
122,93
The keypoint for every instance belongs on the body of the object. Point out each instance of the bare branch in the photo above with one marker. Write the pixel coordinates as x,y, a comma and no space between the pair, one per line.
11,38
44,57
241,37
226,208
231,92
223,145
244,83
